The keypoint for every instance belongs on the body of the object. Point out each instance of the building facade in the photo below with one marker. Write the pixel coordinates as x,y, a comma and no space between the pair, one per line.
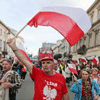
5,33
91,40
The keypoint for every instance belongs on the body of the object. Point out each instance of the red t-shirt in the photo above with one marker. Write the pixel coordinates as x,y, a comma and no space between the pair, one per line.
48,87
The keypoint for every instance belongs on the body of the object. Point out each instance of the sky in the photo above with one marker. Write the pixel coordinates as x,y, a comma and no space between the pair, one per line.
16,13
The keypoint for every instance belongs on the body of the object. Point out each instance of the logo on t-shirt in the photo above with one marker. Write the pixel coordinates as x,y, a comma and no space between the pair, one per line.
50,93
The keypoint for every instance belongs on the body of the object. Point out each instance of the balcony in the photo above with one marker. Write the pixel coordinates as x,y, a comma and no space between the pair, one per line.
82,50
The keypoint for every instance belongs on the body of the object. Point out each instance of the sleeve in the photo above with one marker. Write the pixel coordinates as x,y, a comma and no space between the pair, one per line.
74,88
96,86
17,83
64,88
35,72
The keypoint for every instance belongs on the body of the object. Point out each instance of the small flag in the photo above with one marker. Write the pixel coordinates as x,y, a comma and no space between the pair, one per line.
83,59
72,68
95,60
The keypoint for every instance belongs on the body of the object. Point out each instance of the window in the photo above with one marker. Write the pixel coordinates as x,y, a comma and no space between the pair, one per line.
5,46
98,13
76,47
81,42
90,40
96,39
0,32
0,45
91,18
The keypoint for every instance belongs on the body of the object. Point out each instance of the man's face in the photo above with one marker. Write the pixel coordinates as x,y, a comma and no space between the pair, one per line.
6,66
47,66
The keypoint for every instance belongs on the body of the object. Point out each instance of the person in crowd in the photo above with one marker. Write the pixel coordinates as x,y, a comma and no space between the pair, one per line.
84,87
49,85
37,65
88,65
24,72
19,69
68,75
10,79
15,66
58,69
94,74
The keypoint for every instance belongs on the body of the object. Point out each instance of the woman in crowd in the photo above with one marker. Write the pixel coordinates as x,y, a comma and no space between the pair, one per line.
94,74
84,87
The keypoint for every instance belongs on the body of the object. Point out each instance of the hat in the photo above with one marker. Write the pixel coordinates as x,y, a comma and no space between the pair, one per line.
47,58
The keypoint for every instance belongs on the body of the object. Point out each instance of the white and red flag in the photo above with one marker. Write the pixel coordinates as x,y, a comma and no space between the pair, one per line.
22,49
72,23
72,68
95,60
83,59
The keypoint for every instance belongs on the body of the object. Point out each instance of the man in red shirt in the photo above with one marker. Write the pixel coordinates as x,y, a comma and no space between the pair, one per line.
49,85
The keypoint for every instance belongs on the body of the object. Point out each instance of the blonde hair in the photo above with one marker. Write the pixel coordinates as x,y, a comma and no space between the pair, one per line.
95,69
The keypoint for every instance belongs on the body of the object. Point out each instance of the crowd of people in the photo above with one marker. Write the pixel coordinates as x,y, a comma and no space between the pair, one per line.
52,85
85,85
49,77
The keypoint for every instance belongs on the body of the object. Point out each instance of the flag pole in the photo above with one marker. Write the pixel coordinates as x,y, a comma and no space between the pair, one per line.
73,75
20,31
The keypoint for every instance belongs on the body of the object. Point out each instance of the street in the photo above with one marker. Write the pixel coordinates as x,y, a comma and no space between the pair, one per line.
26,91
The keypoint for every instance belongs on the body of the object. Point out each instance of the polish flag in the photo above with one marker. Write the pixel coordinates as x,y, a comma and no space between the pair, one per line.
72,23
72,68
23,51
95,60
83,59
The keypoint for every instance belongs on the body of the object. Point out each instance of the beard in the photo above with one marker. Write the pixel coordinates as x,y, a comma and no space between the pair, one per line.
46,69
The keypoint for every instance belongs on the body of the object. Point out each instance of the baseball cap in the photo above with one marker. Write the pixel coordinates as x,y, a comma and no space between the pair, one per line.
47,58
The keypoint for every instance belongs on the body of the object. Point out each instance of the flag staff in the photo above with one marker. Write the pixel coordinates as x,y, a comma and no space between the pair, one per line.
20,30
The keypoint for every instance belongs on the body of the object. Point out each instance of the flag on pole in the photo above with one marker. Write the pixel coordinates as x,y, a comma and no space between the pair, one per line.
95,60
83,59
23,51
72,23
72,68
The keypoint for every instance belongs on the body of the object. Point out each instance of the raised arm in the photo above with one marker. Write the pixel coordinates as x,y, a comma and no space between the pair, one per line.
19,55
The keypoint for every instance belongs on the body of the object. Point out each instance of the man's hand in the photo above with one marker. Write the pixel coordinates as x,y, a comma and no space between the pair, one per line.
7,85
66,96
96,97
12,43
19,54
75,79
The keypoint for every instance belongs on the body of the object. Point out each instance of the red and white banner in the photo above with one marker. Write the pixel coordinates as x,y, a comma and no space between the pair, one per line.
23,51
72,68
83,59
95,60
72,23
